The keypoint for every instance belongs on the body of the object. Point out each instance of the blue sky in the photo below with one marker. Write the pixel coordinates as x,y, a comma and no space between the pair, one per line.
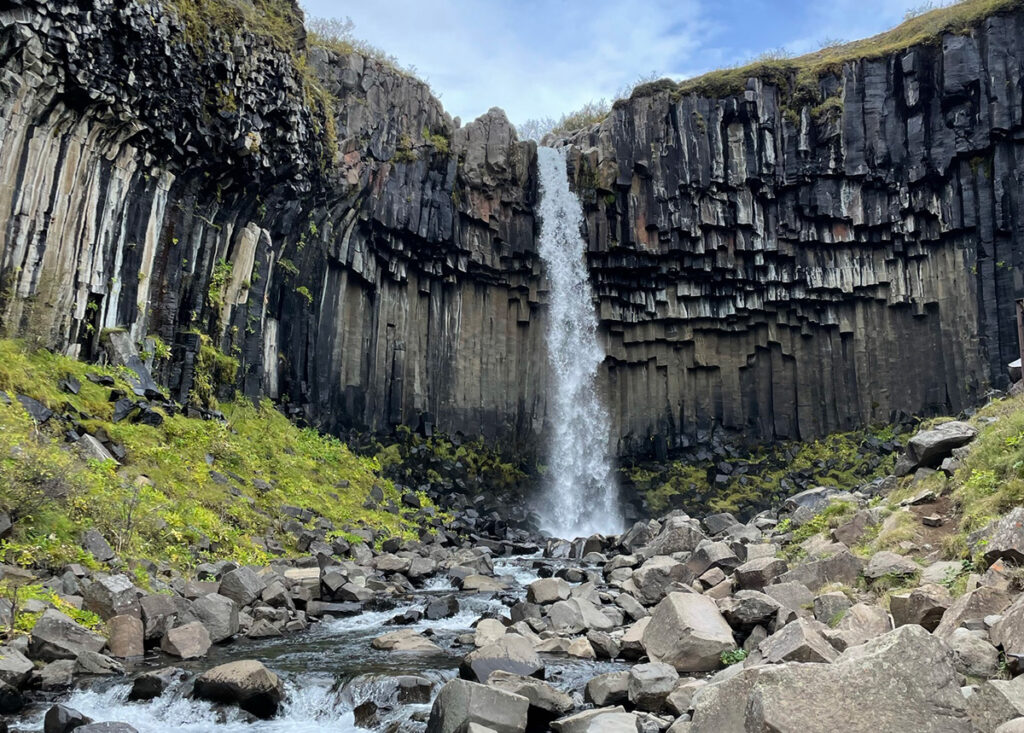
537,58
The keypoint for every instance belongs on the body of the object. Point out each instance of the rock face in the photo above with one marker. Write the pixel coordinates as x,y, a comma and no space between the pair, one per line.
759,267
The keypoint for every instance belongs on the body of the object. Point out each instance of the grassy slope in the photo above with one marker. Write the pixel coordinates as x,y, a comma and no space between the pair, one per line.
165,499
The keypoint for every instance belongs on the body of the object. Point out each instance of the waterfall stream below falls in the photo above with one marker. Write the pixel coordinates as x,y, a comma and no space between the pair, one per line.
581,495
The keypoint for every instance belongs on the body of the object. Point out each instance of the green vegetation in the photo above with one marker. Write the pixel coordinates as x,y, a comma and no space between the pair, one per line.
439,142
733,657
767,476
830,517
799,76
188,490
338,35
213,369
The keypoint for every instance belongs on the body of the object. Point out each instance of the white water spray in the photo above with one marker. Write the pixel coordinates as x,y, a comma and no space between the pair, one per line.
582,496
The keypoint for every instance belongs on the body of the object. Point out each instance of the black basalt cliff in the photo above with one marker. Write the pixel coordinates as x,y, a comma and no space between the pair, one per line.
761,267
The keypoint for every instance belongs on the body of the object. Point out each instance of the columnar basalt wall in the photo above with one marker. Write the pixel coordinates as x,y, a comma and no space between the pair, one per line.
759,267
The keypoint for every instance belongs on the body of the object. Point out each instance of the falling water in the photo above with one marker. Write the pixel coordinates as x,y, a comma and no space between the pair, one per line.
582,496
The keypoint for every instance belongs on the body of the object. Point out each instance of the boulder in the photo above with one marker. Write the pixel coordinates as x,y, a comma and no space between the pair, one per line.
929,447
219,614
1004,538
843,567
973,605
439,608
488,631
94,663
577,615
55,636
973,656
611,688
650,684
756,574
95,544
678,534
15,667
995,702
107,727
1008,632
150,685
461,703
546,703
246,683
57,675
861,622
799,641
710,555
511,653
794,596
405,640
63,719
188,642
748,608
112,595
548,590
656,577
857,692
603,720
924,606
688,632
886,563
126,636
242,585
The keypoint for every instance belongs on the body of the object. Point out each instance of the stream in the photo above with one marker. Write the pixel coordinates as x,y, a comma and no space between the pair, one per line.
328,670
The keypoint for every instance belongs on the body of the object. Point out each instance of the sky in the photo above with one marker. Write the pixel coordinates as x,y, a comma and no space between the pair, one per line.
544,58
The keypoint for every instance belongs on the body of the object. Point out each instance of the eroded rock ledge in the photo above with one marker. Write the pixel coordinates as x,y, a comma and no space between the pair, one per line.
759,268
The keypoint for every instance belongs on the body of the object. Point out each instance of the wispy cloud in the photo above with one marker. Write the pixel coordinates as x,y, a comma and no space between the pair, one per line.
541,58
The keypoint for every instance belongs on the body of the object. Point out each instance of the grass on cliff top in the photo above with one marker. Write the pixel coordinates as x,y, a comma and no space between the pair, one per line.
804,71
167,499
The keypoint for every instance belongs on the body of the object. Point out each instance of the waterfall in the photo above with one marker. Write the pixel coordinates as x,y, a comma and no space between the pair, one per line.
581,495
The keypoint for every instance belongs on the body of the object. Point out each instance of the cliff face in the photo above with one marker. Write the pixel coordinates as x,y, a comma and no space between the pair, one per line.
760,268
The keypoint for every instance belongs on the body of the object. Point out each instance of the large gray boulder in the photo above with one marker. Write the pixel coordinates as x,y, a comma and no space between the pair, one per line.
843,567
242,585
650,684
246,683
929,447
887,563
678,534
55,636
188,642
924,606
656,577
577,614
611,688
1008,632
799,641
548,590
15,667
756,574
748,608
126,636
972,606
511,653
405,640
461,703
112,595
687,631
546,703
219,614
902,681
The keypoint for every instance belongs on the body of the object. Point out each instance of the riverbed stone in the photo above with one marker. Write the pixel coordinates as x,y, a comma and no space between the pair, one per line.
546,702
246,683
511,653
188,642
405,640
55,636
461,703
219,614
126,636
548,590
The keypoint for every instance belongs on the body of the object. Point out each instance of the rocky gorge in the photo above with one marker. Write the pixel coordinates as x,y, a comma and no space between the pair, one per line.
275,387
781,260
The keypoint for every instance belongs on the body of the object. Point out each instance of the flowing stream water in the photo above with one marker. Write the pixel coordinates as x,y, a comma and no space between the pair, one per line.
582,495
327,671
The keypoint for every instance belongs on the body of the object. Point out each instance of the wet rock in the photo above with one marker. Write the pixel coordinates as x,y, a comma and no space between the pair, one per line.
247,684
150,685
688,632
94,663
57,675
405,640
63,719
106,727
461,703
